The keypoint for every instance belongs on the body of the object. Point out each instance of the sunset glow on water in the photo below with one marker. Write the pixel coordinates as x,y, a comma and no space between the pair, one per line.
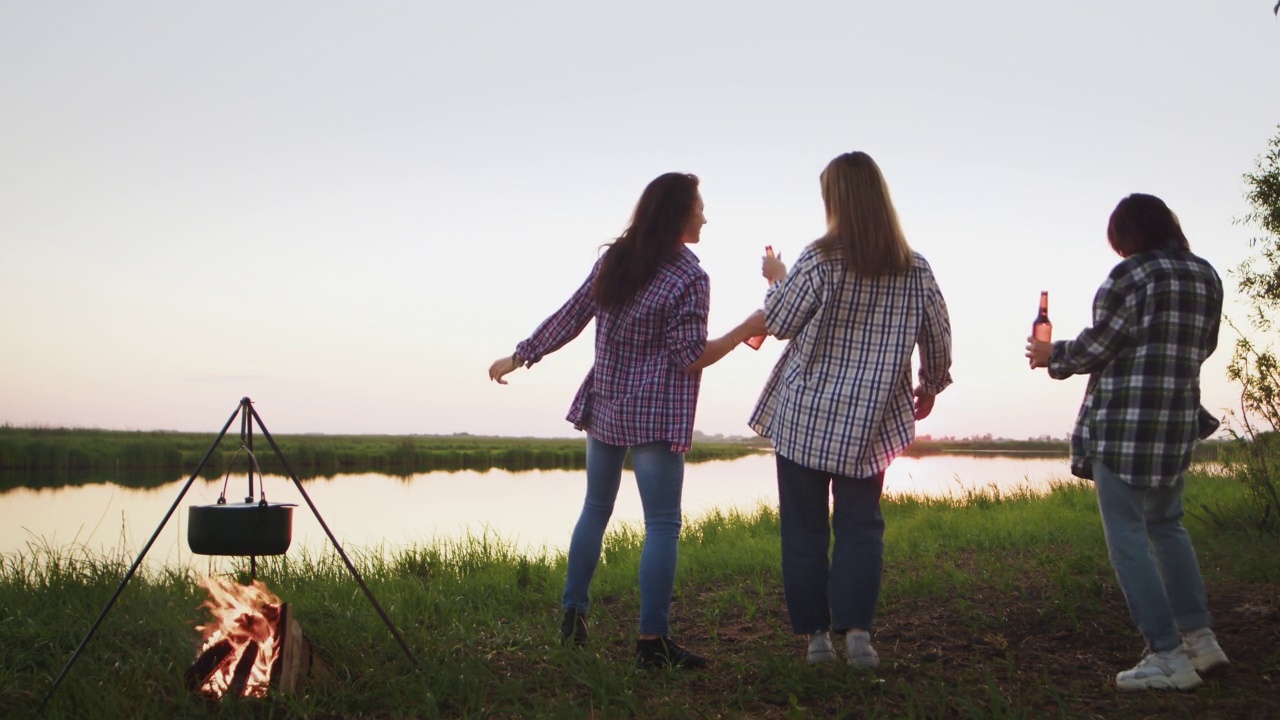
533,509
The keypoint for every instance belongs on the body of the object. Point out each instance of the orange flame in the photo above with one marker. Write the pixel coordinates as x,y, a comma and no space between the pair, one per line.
241,614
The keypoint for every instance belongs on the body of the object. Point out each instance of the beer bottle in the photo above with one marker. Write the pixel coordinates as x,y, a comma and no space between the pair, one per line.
754,342
1042,329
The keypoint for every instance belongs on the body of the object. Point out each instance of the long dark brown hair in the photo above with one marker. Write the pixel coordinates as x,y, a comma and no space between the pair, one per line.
657,227
862,226
1143,222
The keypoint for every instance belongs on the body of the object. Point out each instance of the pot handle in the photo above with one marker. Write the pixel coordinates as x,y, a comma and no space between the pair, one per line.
262,491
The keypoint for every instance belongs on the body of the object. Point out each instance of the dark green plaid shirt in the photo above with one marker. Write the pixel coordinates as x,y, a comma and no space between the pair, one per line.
1155,320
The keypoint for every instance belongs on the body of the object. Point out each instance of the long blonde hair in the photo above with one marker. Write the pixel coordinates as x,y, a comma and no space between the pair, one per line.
862,226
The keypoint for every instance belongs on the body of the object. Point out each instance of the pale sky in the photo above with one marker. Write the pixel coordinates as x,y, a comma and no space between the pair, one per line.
346,211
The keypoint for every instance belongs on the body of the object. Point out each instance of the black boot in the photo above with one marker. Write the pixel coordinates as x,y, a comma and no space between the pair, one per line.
573,629
663,652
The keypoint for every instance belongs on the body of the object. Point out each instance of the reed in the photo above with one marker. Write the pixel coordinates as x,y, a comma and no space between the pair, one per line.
994,605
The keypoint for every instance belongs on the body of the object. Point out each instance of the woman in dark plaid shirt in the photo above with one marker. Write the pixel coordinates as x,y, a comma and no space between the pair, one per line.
1155,320
839,406
649,298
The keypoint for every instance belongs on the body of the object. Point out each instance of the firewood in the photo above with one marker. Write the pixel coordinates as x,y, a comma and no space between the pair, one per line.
207,664
293,662
244,668
296,665
293,667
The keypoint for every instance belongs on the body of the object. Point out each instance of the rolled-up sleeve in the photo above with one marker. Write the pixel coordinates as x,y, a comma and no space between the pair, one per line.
934,340
686,327
564,324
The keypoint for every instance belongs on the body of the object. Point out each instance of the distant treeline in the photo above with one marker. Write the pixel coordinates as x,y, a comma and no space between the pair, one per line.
1043,448
37,457
980,446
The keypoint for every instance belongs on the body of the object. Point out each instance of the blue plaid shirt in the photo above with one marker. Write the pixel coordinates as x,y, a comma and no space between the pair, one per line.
840,398
1155,320
637,391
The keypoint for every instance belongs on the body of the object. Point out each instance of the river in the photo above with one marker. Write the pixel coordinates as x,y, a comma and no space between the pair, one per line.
532,510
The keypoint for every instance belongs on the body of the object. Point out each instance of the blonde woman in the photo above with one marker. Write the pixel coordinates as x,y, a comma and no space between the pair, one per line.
840,404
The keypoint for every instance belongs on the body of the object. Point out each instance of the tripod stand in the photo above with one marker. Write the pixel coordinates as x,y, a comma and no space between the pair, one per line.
248,416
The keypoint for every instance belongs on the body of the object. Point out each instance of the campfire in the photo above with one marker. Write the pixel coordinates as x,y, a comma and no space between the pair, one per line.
251,645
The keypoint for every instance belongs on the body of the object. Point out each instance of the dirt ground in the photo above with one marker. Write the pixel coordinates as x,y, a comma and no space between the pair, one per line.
1042,665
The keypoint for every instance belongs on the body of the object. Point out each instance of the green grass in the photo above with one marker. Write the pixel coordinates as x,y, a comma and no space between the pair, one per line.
993,606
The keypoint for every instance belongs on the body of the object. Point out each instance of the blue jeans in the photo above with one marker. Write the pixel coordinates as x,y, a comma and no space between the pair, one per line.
843,593
660,479
1153,558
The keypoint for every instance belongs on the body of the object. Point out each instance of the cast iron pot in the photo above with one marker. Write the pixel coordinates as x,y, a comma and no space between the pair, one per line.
260,528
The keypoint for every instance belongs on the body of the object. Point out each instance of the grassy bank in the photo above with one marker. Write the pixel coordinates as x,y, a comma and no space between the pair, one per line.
994,607
39,457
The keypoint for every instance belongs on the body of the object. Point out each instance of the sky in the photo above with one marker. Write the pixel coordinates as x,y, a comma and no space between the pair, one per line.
347,211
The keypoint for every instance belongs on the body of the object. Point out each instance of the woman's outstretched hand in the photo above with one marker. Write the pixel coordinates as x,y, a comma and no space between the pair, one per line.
723,345
501,367
754,324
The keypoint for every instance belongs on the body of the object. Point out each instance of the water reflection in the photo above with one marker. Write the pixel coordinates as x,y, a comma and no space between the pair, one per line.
370,512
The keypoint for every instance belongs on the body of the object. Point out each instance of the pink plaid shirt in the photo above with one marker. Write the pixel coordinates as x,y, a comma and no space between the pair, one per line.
637,391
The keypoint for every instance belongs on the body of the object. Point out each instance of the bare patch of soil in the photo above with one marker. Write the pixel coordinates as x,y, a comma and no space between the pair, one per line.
993,652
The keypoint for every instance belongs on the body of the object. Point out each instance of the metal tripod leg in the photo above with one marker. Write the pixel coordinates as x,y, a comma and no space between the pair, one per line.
129,575
246,407
337,546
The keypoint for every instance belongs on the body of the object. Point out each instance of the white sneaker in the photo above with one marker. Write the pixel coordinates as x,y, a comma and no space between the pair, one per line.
820,648
1169,670
1201,647
861,654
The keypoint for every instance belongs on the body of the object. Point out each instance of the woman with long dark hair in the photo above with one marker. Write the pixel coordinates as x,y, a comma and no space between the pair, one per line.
649,298
840,404
1155,321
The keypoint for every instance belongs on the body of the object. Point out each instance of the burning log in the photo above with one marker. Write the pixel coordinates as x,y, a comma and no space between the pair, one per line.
207,664
244,668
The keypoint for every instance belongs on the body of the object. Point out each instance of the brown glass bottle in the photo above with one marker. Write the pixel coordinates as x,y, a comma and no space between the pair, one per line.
755,341
1042,329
